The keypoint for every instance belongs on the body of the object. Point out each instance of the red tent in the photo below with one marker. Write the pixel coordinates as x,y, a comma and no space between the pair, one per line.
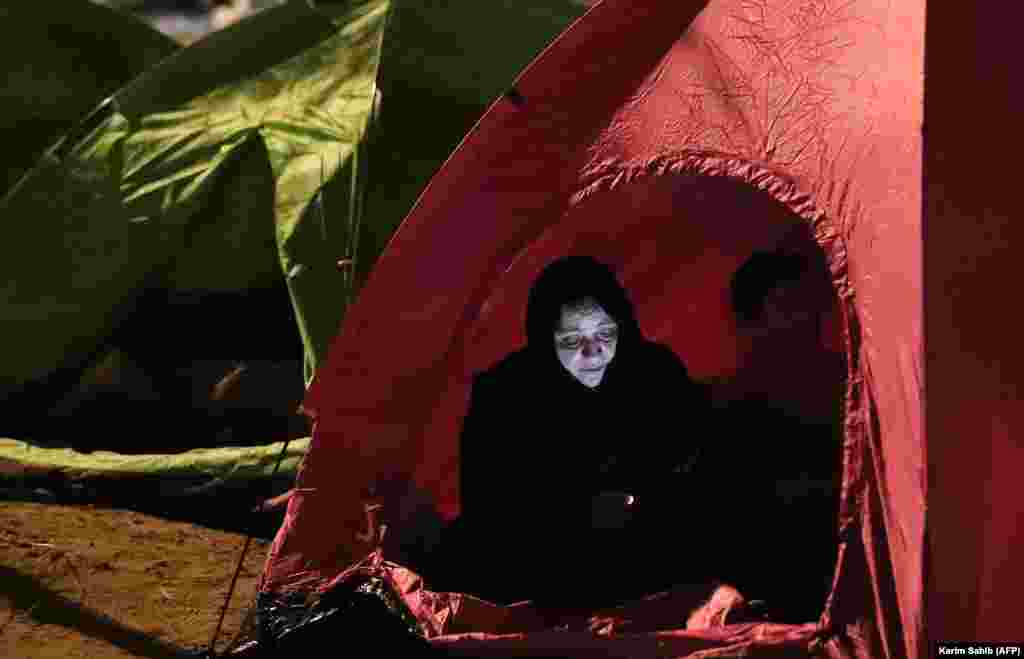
673,138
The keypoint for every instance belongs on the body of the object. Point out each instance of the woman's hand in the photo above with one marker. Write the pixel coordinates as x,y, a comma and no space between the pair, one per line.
612,510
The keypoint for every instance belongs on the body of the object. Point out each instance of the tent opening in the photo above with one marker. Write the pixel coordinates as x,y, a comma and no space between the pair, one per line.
737,285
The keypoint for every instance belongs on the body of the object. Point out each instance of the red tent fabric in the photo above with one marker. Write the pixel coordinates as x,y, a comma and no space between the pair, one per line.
672,139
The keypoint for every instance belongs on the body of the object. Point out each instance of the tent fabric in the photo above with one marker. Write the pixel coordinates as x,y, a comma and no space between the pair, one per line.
242,463
205,486
814,105
200,124
464,625
58,64
204,173
442,65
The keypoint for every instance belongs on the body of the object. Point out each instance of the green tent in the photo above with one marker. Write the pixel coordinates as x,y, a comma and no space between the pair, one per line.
245,157
58,63
171,182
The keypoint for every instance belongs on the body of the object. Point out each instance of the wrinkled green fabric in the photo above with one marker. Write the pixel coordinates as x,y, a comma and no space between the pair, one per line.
127,204
57,63
243,156
245,463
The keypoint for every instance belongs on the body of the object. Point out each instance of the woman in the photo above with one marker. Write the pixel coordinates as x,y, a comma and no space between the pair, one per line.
575,455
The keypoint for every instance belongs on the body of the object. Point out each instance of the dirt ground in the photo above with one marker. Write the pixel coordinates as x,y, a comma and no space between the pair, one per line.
91,582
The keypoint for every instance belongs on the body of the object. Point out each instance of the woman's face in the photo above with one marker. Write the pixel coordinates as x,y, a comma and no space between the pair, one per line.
585,340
